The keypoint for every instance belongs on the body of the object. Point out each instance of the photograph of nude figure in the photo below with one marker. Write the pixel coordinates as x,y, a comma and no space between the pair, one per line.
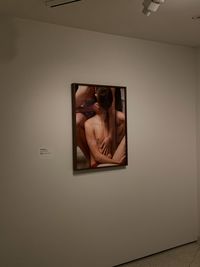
99,126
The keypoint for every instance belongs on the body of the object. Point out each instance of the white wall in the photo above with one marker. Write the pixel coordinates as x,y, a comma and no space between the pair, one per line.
198,137
51,217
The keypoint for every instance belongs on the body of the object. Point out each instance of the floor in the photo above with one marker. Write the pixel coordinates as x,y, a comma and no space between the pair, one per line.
184,256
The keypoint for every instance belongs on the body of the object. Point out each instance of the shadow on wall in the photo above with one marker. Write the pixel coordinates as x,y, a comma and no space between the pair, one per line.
7,39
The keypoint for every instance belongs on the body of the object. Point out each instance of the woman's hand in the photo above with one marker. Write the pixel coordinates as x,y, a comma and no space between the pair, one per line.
106,146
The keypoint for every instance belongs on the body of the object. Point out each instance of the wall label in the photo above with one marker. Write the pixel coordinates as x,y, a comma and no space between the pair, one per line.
45,152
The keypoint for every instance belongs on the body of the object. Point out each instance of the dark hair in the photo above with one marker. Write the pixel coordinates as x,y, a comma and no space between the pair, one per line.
118,99
104,97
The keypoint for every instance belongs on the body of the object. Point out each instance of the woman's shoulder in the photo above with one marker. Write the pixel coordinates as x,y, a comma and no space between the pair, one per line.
90,122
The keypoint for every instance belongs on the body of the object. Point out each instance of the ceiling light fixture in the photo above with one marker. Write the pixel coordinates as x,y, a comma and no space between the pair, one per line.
196,17
55,3
151,6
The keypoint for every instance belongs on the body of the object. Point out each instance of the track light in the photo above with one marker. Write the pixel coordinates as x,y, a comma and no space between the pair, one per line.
151,6
55,3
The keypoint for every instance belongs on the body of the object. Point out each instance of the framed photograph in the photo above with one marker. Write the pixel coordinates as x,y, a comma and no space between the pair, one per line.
99,120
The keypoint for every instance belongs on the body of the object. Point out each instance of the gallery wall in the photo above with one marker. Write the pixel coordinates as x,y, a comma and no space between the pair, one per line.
54,217
198,137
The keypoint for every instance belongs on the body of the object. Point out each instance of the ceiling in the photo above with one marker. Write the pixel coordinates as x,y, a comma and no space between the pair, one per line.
172,23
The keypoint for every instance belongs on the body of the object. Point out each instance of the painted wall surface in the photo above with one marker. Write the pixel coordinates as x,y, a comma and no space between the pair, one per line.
52,217
198,138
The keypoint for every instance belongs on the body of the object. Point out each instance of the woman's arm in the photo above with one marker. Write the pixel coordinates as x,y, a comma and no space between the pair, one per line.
83,93
120,153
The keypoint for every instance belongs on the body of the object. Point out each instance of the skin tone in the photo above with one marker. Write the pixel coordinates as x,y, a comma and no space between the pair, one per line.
80,134
96,129
83,93
97,137
108,145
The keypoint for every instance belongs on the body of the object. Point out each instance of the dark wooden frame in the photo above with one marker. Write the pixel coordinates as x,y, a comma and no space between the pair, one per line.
74,87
